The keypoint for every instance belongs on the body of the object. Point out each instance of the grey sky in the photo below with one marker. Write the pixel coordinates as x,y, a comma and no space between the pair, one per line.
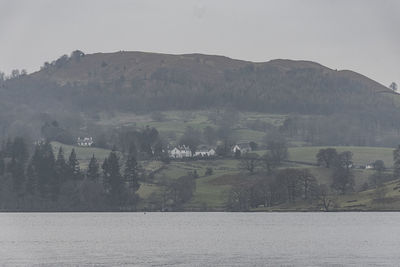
359,35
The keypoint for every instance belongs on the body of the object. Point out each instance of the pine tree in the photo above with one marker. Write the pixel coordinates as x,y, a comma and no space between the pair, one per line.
93,170
131,174
17,173
19,154
113,180
73,164
2,165
42,171
106,175
396,163
31,180
61,167
19,150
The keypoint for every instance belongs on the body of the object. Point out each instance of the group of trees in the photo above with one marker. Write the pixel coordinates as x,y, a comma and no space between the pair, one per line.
146,142
45,182
277,153
360,129
281,186
174,193
341,165
13,75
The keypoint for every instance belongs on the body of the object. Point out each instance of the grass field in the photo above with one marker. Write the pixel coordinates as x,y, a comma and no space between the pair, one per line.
212,191
361,155
176,122
83,154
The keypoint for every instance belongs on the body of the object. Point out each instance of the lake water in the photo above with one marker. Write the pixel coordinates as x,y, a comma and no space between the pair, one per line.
200,239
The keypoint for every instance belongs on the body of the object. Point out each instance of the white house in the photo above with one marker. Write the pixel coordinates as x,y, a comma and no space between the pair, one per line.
369,166
180,152
85,141
242,147
205,152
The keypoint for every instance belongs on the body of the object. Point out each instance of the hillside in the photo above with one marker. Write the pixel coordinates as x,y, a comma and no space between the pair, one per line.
138,81
212,191
334,106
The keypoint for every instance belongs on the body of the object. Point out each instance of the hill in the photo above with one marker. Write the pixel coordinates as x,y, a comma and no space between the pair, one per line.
77,89
144,81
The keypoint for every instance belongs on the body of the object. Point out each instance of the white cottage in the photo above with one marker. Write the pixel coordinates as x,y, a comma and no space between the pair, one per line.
85,141
180,152
242,147
205,152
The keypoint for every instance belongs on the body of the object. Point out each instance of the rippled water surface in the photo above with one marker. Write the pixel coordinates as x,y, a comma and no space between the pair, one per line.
200,239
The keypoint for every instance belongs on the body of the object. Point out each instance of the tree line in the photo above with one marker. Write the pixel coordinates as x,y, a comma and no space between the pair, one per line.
43,181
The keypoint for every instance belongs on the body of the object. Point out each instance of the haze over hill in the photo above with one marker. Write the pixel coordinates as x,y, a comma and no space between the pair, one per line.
145,82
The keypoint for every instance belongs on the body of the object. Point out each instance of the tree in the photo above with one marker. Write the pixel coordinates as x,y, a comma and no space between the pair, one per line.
113,180
19,150
253,146
326,157
208,172
380,193
210,135
344,160
268,162
393,86
239,198
238,154
93,173
191,138
41,171
379,166
131,172
77,55
396,163
74,168
342,176
309,184
31,180
278,150
2,165
158,150
290,180
249,162
61,167
15,74
327,202
181,191
378,178
17,170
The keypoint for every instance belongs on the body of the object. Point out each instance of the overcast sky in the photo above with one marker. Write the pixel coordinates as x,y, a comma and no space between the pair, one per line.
363,35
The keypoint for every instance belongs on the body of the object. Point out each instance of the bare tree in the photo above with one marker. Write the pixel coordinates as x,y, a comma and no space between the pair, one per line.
393,86
327,202
326,156
249,162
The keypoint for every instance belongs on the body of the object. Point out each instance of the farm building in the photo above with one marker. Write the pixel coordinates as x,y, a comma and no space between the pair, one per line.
85,141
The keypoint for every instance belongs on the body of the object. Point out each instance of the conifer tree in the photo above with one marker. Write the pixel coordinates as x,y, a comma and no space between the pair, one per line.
131,174
2,165
31,180
113,180
73,164
106,175
19,154
19,150
61,167
18,175
42,171
93,170
396,162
